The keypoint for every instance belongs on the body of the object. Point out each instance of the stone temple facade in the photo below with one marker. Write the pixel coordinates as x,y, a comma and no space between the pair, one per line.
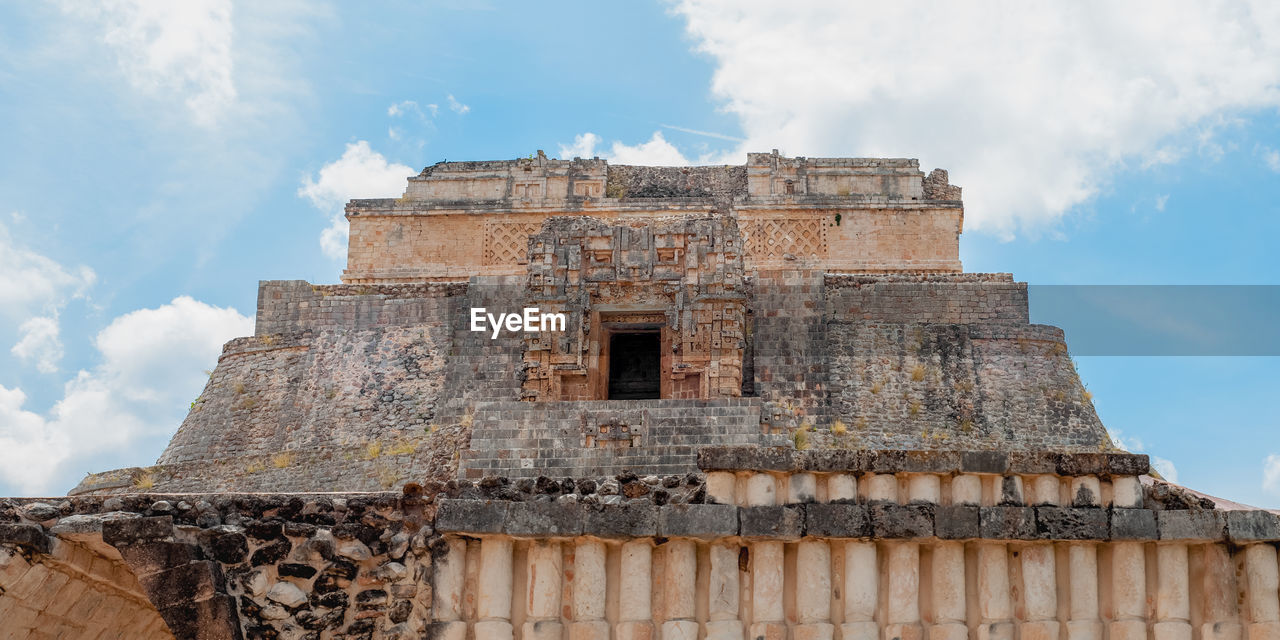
774,408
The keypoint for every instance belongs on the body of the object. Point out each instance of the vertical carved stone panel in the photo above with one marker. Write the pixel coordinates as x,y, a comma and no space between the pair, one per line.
507,243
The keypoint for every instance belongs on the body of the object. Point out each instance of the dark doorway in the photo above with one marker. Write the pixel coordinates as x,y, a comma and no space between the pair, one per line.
634,363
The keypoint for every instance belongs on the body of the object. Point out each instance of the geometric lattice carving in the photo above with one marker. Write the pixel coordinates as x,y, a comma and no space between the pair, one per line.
774,238
507,242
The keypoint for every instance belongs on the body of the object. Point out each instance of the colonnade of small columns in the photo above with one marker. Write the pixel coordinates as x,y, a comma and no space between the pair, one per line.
503,588
758,488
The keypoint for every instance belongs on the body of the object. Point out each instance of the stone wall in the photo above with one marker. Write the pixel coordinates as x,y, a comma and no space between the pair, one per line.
297,306
975,298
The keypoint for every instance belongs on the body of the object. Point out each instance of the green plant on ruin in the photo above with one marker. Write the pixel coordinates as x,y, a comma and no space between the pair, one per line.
913,408
839,428
372,450
918,372
282,460
267,339
198,402
467,419
237,386
255,466
876,387
965,425
144,481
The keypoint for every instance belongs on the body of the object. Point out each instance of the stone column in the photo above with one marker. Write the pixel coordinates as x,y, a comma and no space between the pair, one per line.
1084,623
1262,582
1173,593
842,487
966,489
1086,491
880,487
995,607
493,604
903,590
543,606
635,607
861,592
450,578
948,593
1126,492
589,587
722,600
802,488
768,620
1046,489
1128,591
813,591
721,487
680,559
762,490
924,488
1039,592
1217,594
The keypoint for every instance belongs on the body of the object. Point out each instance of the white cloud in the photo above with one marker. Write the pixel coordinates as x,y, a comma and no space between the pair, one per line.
152,366
656,151
1128,443
182,49
40,343
1271,473
361,172
1272,158
1161,201
1165,468
1030,106
457,107
33,283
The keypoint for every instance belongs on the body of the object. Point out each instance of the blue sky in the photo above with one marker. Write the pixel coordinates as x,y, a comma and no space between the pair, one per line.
164,157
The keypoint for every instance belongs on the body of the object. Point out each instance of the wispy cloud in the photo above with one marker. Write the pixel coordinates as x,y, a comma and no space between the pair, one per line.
1271,473
361,172
1272,158
458,107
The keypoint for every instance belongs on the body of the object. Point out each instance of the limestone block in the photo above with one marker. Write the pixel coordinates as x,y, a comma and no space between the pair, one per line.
1083,567
957,522
1086,491
634,630
1133,524
994,603
842,520
863,630
813,631
493,630
861,582
589,582
768,631
1173,589
1126,492
449,578
880,487
903,588
924,487
1208,525
786,522
813,590
1127,630
708,521
452,630
1221,631
1084,630
966,489
903,632
542,630
842,487
947,631
545,566
1045,490
680,630
948,584
767,583
634,601
1129,582
720,487
1251,526
724,630
1040,588
1171,630
681,570
590,630
1264,631
1070,523
494,601
762,490
1038,630
722,600
802,488
1261,584
996,631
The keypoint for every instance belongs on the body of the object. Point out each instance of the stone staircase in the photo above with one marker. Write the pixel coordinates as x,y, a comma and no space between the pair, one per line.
606,437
